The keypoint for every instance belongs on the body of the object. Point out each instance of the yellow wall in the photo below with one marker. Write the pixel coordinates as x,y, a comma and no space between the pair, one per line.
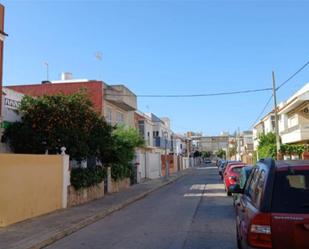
30,185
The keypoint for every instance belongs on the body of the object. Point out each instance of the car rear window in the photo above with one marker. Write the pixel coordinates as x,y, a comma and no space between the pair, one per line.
236,170
291,192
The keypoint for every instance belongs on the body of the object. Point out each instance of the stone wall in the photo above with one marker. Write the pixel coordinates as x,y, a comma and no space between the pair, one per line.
120,185
81,196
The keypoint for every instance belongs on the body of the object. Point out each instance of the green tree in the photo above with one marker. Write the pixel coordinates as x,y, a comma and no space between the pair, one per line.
126,139
50,122
221,153
232,151
267,145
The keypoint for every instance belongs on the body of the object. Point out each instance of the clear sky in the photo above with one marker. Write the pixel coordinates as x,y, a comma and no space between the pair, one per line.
166,47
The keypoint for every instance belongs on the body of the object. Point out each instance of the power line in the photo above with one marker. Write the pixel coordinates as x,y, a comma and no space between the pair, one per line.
193,95
263,110
281,85
292,76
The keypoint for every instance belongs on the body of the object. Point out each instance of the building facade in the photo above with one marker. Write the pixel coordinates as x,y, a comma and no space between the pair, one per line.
10,104
115,102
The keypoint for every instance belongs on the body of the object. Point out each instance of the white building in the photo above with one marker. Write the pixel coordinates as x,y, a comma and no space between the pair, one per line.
266,125
294,118
10,103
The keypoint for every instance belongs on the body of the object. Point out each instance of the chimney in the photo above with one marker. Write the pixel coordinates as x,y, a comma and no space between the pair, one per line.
66,76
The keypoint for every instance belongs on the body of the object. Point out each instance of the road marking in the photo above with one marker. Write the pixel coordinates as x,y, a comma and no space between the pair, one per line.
207,187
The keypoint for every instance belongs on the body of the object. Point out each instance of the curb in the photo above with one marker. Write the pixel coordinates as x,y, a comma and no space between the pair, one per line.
94,218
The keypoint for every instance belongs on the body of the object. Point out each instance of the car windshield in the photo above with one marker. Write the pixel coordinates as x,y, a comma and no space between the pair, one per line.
291,192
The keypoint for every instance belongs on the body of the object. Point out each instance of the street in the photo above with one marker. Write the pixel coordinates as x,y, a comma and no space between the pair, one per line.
192,213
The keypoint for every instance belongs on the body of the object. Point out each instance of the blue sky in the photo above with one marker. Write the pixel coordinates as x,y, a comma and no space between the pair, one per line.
166,47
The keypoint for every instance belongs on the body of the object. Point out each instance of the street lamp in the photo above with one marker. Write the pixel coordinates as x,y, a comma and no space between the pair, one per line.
165,134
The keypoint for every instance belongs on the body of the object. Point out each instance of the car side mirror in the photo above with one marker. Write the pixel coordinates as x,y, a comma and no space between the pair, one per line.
236,189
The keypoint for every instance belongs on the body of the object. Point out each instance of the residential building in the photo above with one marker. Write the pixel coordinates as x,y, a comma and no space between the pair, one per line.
144,125
213,143
246,147
115,102
264,126
294,118
10,103
182,145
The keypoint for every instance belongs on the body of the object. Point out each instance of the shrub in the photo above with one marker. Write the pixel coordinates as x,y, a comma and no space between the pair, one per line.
87,177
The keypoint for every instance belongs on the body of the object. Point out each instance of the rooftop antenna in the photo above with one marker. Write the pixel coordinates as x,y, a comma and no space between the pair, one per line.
47,70
98,56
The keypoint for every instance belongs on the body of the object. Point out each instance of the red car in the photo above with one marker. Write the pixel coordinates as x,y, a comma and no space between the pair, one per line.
231,175
273,210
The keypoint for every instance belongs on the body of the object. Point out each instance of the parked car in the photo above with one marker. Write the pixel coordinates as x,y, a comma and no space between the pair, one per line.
273,211
207,160
243,177
222,167
231,175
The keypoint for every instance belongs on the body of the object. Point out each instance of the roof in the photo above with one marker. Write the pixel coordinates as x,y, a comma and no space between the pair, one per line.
94,90
291,163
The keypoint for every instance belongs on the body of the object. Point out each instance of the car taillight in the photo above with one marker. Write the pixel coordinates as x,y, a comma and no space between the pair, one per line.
259,234
233,178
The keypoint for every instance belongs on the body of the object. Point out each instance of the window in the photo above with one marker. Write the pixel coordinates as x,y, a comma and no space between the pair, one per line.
259,189
292,121
108,115
141,128
291,192
119,118
236,170
252,184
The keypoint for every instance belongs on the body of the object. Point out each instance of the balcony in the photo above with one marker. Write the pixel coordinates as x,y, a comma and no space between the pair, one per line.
294,134
121,96
159,142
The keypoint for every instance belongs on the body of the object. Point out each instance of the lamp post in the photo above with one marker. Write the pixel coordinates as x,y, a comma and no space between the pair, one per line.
165,134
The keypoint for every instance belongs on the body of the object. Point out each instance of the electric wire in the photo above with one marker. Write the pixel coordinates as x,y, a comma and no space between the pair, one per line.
263,110
293,75
277,88
192,95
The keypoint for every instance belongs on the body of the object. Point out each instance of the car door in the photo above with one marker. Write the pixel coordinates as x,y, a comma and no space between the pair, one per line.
247,207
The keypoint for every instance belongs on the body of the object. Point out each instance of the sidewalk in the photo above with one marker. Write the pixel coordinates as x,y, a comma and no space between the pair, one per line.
44,230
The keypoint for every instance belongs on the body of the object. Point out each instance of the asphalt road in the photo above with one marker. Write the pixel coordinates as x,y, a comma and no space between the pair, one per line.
192,213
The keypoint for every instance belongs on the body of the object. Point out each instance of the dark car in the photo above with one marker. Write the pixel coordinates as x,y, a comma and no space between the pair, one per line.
207,160
273,211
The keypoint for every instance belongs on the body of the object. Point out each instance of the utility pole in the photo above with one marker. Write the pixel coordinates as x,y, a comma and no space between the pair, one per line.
276,115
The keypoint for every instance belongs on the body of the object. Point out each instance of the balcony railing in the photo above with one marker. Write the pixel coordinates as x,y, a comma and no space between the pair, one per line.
294,128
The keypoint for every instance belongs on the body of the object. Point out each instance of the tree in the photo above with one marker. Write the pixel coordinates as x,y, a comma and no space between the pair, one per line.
126,139
267,145
205,154
197,154
221,153
50,122
232,151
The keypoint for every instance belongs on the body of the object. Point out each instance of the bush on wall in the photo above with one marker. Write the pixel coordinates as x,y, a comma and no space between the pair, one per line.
87,177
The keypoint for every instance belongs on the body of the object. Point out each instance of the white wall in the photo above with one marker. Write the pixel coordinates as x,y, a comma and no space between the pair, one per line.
149,164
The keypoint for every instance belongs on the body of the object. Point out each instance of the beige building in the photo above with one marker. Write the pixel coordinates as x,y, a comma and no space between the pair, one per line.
294,118
119,105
